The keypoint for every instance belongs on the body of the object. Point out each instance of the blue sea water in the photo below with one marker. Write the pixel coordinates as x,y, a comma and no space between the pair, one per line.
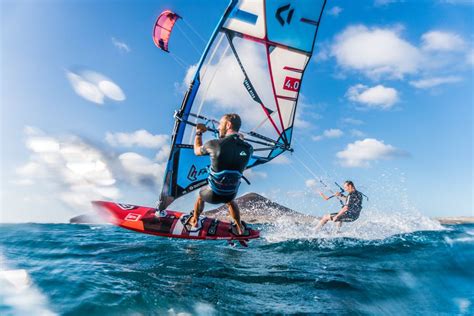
106,270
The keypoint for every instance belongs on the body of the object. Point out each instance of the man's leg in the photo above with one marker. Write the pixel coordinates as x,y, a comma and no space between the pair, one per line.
323,221
235,214
198,208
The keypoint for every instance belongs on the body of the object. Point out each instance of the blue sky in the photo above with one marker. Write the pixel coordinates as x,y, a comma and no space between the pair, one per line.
387,97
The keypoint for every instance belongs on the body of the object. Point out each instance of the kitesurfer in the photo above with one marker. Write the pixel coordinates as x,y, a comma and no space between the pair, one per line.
350,210
229,156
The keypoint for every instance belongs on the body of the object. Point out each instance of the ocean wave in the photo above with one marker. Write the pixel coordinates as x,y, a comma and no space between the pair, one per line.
18,294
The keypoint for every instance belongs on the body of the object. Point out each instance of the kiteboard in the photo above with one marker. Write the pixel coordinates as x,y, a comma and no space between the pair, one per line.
166,223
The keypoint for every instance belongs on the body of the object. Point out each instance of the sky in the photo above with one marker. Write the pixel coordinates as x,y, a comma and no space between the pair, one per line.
87,105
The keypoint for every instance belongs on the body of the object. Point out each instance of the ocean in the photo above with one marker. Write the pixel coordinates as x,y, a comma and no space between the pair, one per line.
77,269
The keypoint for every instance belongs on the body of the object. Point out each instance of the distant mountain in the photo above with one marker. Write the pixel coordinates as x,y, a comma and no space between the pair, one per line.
456,220
255,208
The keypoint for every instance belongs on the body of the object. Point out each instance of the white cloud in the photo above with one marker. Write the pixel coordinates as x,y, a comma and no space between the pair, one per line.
379,3
281,160
74,167
456,2
252,175
375,52
311,183
141,170
121,46
85,89
375,97
329,133
322,52
111,90
333,133
94,86
470,57
352,121
357,133
163,153
302,114
442,41
435,81
362,152
27,171
42,144
335,11
79,172
140,138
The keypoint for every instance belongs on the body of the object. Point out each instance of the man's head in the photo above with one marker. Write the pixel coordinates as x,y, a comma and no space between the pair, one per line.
229,123
349,186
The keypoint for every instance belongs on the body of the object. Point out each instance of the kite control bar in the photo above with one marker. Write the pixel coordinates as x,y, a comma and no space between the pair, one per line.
334,195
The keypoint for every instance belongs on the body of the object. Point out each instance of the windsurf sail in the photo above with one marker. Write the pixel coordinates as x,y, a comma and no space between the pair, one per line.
162,30
253,65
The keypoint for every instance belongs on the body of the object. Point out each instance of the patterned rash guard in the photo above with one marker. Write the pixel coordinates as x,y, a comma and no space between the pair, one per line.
354,204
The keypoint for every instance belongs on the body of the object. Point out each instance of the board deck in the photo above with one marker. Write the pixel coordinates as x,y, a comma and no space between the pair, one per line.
144,219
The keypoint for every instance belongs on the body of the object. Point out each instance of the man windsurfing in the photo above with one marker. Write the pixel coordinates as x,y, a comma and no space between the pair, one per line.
229,156
350,210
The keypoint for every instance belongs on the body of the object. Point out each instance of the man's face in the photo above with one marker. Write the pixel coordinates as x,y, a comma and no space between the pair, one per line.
347,187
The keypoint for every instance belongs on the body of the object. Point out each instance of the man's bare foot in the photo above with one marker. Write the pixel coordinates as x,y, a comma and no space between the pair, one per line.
239,229
192,222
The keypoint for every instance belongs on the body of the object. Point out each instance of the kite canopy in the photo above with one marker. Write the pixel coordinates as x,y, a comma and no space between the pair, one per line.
163,27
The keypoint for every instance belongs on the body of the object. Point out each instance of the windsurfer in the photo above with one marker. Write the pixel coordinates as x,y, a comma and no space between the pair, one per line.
229,156
350,210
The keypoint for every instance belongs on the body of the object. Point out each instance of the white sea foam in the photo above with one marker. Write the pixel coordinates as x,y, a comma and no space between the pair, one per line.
463,305
388,212
200,308
371,225
452,241
19,295
204,309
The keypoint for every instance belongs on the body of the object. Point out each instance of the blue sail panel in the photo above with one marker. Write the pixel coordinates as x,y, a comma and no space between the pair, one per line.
293,23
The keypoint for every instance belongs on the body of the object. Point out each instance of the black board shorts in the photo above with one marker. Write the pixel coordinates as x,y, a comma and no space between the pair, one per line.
210,197
346,217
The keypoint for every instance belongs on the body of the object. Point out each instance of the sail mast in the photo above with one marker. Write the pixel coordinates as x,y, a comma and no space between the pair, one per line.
183,112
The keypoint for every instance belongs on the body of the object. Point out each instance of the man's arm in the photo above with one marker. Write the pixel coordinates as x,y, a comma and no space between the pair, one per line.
341,196
324,196
200,128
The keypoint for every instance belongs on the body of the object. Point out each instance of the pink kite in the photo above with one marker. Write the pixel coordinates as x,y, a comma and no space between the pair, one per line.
162,29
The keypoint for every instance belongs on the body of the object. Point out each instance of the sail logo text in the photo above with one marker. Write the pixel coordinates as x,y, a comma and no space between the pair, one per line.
292,84
289,15
194,173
